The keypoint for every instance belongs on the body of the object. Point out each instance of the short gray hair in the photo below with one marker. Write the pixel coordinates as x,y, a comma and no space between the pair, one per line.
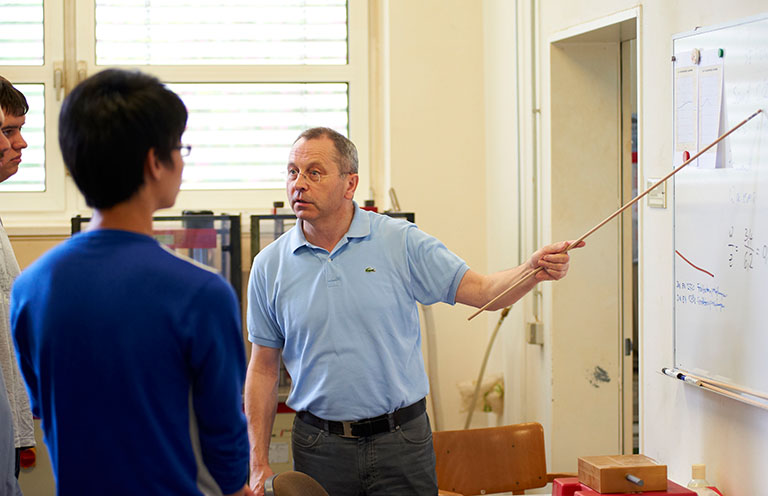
346,151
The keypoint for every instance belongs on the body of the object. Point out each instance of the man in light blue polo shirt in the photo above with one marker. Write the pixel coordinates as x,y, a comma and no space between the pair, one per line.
338,294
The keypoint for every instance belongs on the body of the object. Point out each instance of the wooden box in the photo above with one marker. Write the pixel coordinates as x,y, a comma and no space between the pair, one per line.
608,474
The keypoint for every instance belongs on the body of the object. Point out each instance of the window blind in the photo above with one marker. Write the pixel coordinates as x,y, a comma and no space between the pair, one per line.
192,32
21,32
241,133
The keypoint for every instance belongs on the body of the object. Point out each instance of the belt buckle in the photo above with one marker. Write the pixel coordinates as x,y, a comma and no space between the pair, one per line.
347,430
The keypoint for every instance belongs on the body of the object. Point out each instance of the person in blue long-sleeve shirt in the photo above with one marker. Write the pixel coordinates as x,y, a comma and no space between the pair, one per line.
132,355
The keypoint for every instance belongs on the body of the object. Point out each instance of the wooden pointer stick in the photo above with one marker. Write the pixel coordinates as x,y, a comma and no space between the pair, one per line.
713,382
735,396
616,213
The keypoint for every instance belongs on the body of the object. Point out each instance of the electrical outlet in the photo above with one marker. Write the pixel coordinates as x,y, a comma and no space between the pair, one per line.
535,333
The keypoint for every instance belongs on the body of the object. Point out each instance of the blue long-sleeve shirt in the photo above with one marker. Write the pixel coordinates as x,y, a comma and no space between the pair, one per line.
134,360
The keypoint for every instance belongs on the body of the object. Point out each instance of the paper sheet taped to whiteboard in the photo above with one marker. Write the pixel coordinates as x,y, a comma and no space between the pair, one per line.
699,107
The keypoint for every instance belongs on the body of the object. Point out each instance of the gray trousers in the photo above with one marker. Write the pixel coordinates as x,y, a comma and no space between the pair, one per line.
401,462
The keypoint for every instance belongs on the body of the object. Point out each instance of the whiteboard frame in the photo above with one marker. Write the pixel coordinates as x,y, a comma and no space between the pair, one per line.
712,374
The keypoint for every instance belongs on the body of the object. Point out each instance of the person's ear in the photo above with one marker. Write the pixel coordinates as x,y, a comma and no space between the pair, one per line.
152,165
351,186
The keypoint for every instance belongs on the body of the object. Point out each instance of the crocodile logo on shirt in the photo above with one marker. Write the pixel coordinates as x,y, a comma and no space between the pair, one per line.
370,269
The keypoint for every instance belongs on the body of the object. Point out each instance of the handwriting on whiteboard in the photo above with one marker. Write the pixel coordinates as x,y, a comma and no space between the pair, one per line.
700,295
742,197
743,251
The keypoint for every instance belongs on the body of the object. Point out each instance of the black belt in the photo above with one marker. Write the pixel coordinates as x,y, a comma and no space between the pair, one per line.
367,427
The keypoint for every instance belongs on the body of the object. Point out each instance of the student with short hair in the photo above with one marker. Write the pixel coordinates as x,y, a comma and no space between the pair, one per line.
133,355
15,107
8,482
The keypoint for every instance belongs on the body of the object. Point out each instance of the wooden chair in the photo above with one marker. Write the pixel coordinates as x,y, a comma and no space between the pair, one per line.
493,460
293,483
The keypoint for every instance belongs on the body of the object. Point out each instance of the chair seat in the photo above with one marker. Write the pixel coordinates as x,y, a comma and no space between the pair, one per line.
492,460
292,483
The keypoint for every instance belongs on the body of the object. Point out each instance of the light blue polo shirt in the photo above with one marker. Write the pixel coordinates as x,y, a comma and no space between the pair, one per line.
347,321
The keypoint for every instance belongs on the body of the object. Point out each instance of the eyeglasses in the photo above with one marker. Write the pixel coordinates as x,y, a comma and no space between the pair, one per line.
184,150
314,176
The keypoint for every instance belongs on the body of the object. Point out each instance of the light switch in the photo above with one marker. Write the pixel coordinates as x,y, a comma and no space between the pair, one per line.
657,198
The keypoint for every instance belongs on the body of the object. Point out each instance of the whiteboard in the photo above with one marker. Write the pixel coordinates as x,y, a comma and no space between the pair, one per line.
721,215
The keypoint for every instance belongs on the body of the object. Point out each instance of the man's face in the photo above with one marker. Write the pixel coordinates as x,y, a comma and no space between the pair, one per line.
316,189
5,145
11,130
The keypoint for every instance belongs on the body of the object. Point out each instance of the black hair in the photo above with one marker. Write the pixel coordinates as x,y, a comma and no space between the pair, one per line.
345,150
108,124
12,101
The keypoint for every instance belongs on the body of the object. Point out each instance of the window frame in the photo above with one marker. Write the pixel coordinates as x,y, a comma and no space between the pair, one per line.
29,205
61,200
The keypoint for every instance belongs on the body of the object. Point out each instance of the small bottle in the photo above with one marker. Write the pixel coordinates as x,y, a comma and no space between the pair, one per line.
698,482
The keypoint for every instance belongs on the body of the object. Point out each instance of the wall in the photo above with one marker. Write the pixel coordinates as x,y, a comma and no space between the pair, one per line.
435,136
28,247
505,194
680,425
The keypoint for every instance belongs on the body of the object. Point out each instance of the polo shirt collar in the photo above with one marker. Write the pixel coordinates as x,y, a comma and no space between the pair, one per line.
361,224
359,228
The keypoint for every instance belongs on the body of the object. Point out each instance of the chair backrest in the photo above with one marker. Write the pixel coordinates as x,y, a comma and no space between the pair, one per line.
292,483
491,460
